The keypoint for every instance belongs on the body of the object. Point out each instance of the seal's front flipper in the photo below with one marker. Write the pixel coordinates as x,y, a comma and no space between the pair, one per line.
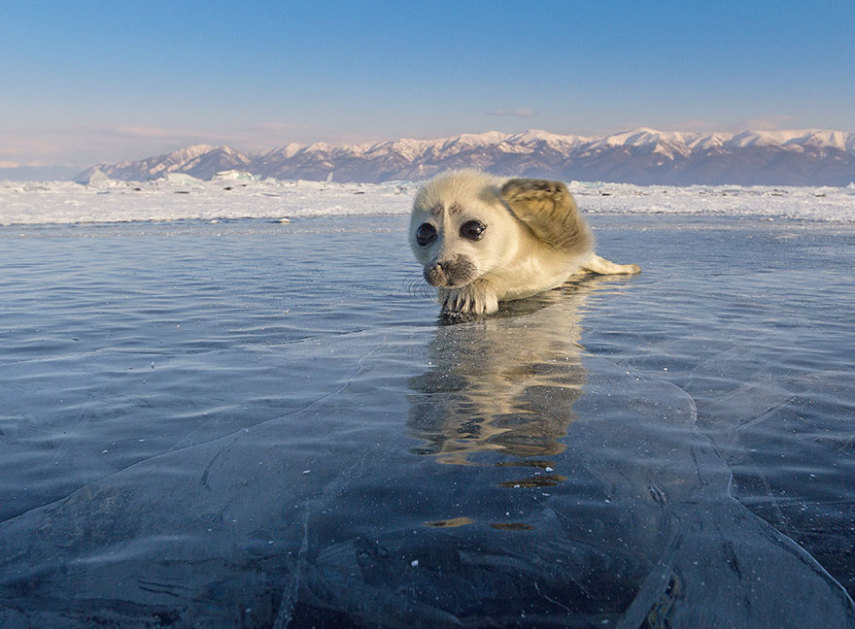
601,266
539,197
549,210
475,298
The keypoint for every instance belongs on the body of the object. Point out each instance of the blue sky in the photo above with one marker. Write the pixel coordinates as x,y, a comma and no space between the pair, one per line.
84,82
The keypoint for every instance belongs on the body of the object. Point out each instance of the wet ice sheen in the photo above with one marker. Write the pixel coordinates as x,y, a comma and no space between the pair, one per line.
253,425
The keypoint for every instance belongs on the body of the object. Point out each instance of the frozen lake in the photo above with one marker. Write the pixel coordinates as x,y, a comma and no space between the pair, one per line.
263,424
240,195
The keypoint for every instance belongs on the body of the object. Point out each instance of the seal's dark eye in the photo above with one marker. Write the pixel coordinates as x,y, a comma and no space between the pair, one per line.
425,234
473,230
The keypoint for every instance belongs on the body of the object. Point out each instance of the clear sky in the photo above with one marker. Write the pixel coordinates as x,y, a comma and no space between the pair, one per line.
84,81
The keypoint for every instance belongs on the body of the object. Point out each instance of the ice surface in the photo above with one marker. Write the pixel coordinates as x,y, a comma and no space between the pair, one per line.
234,194
254,424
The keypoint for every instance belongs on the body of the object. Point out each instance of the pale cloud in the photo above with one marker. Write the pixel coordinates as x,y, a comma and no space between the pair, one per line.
149,132
260,136
233,135
768,123
281,127
694,125
700,125
516,113
85,145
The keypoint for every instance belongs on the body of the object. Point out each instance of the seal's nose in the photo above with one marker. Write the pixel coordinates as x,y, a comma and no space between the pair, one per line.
450,272
435,274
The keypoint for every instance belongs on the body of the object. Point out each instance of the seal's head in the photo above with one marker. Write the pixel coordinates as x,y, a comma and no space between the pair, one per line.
460,229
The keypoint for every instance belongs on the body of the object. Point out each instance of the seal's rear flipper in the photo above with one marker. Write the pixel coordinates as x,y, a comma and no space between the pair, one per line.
601,266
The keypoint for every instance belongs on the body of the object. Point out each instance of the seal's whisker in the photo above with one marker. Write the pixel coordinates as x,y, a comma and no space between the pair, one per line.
417,287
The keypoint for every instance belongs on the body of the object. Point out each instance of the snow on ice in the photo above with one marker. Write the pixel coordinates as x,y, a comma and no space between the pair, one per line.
236,194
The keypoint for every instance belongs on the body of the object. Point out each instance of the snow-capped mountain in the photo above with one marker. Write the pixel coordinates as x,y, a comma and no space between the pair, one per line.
201,160
640,156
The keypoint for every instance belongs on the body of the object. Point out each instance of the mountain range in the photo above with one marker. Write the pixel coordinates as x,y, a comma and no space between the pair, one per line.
641,156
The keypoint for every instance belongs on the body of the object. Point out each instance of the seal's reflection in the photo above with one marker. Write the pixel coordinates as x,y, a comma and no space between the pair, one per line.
504,384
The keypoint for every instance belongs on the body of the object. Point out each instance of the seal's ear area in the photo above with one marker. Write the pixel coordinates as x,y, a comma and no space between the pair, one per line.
528,196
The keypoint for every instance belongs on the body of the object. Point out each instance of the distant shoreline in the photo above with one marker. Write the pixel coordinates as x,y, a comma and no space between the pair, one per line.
181,197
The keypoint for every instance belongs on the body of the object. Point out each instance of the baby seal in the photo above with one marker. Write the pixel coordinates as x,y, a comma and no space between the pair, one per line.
483,240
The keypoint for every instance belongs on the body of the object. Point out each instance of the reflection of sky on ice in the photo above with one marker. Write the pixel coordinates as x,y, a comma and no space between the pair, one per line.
252,424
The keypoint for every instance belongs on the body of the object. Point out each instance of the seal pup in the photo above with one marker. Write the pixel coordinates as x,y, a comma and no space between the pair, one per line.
483,240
